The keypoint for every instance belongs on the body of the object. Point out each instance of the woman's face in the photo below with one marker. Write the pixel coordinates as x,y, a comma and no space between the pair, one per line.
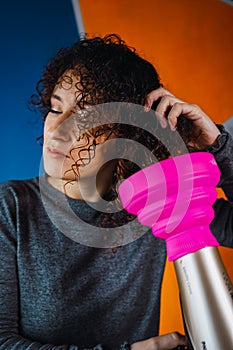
62,134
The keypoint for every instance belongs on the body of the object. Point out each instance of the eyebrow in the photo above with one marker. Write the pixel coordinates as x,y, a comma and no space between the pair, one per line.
57,97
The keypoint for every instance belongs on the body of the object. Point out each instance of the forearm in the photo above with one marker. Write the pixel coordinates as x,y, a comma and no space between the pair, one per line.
16,342
222,224
223,153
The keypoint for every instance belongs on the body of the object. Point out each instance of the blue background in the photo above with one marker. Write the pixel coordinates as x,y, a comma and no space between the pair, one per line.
31,33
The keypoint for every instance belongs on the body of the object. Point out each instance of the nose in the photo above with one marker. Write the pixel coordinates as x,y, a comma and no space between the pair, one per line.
60,129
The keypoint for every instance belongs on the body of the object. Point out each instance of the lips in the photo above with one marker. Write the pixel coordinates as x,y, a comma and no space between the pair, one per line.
56,153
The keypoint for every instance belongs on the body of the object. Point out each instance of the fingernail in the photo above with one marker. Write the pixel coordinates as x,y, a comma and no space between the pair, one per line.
146,108
163,123
173,127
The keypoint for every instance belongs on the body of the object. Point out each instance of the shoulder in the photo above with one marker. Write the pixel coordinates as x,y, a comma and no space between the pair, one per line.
16,194
16,200
15,188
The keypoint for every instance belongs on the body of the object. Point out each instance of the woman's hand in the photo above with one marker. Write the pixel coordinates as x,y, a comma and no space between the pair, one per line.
163,342
170,108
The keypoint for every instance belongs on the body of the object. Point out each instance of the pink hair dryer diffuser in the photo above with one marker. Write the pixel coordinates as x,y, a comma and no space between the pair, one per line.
175,198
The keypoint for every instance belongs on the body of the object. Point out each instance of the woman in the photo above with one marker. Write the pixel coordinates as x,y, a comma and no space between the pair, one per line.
56,291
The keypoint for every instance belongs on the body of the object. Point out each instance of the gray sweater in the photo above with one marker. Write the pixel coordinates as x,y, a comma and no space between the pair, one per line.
56,293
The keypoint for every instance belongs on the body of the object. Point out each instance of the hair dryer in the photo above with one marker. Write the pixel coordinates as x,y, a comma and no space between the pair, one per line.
175,198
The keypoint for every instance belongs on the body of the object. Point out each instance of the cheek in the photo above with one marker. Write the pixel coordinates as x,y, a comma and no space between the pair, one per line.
82,157
45,130
58,168
82,149
104,154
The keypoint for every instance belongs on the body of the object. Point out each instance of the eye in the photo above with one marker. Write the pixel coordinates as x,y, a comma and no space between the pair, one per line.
54,111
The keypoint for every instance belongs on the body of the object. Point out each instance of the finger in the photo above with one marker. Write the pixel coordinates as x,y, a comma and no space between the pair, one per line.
163,342
164,108
154,96
170,341
162,121
181,108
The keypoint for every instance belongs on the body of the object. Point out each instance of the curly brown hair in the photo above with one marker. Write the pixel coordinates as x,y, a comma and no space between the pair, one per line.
108,71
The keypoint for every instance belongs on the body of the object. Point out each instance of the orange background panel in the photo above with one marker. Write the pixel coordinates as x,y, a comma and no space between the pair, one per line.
190,43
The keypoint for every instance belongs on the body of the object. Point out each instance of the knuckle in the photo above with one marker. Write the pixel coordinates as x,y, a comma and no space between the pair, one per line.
151,93
175,336
154,344
177,105
195,106
165,98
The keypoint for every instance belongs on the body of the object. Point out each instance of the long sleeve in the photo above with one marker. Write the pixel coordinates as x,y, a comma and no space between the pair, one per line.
222,224
9,287
223,153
